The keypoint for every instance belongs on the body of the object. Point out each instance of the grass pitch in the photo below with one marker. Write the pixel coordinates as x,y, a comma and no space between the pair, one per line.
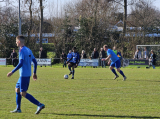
92,94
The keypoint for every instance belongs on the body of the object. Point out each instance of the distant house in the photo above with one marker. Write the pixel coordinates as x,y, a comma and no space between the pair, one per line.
75,29
118,26
132,30
47,33
46,37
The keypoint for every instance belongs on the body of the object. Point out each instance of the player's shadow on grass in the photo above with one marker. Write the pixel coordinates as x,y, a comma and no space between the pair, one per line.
148,80
115,116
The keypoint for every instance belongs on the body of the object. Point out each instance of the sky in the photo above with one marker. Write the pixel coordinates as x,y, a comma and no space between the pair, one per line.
51,6
156,4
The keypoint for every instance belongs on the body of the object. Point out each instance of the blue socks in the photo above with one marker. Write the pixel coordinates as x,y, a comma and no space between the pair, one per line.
73,73
32,99
18,100
69,68
153,67
113,70
121,72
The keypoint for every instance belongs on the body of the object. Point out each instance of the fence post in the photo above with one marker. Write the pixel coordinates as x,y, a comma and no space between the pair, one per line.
6,62
51,62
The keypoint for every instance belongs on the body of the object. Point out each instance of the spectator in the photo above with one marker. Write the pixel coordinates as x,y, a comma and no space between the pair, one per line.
14,58
95,54
102,54
152,59
120,57
42,53
114,50
83,55
137,54
64,58
145,53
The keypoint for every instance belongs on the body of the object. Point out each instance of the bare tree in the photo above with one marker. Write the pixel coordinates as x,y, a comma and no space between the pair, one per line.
41,23
144,16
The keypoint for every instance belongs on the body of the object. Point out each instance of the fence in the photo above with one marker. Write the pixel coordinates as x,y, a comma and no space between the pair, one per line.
132,62
92,24
49,62
83,62
10,61
2,61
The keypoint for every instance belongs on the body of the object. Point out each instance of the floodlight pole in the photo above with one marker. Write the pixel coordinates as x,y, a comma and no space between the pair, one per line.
124,17
19,20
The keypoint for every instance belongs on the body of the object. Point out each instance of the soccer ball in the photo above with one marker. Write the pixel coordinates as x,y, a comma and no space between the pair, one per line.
65,76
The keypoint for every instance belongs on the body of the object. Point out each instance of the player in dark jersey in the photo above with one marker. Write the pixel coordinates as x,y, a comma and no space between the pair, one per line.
73,61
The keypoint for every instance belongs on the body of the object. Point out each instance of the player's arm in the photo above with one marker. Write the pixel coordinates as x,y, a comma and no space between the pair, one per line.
108,57
109,62
20,64
70,59
35,69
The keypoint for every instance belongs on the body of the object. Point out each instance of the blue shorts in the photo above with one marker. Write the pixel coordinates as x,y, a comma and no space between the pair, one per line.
116,64
23,83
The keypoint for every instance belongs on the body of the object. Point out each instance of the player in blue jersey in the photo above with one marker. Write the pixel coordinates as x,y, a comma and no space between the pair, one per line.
24,66
73,61
114,61
69,55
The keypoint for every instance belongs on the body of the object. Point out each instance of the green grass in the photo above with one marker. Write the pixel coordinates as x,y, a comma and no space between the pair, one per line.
92,94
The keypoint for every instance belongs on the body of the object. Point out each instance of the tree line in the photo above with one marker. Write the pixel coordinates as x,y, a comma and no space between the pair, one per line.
86,24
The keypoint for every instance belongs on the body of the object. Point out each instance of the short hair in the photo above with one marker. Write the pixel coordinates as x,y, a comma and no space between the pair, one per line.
152,51
105,46
21,38
74,48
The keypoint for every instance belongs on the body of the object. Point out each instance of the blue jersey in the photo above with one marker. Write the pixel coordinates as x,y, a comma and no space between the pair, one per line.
114,57
26,55
69,56
75,57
